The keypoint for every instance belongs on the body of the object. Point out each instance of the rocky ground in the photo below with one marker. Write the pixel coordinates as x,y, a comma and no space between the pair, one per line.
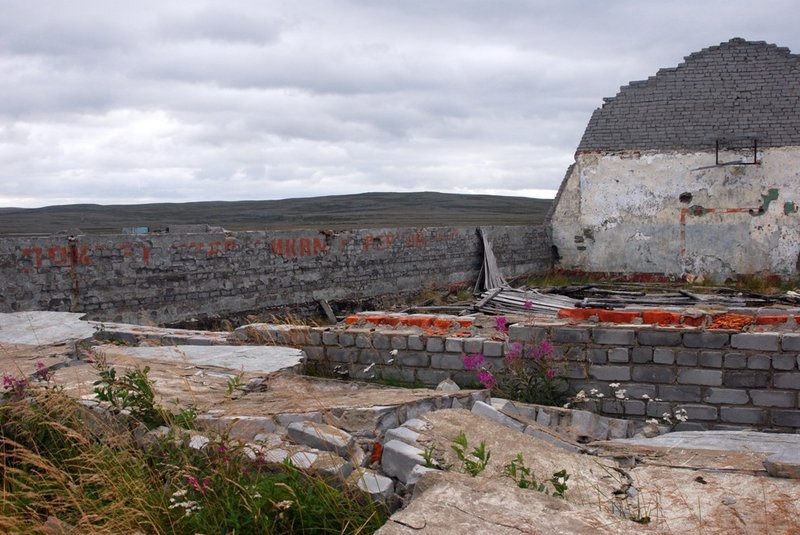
381,438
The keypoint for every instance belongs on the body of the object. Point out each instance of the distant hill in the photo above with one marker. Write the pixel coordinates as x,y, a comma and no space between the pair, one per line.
366,210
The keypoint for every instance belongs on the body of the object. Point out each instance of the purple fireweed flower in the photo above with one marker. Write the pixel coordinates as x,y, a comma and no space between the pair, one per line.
487,379
473,362
513,353
501,324
528,304
551,373
41,373
197,485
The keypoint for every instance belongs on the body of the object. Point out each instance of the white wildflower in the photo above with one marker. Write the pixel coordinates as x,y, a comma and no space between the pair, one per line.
393,352
620,394
614,385
560,480
651,421
600,395
645,396
594,391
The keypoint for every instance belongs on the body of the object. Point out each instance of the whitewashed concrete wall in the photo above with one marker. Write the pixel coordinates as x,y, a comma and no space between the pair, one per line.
623,212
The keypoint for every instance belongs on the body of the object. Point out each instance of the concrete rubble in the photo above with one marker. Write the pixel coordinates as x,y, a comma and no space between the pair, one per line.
396,443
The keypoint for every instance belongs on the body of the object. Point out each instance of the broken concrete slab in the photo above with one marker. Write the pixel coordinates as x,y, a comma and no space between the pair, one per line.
322,437
403,434
487,411
378,486
43,328
784,464
448,502
236,359
399,459
742,441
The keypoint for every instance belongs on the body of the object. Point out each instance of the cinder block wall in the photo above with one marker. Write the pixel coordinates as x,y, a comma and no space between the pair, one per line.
168,277
723,379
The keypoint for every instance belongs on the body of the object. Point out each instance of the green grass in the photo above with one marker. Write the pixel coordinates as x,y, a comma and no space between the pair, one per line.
58,460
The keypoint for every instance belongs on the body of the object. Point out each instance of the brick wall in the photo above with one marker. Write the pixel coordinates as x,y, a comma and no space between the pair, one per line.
722,379
167,277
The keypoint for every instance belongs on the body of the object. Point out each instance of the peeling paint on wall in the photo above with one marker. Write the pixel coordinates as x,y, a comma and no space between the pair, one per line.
699,218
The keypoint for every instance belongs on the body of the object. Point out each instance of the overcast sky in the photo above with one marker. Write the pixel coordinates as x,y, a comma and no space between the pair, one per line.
113,102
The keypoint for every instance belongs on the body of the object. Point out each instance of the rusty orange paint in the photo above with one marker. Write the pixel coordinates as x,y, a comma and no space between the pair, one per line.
771,320
660,317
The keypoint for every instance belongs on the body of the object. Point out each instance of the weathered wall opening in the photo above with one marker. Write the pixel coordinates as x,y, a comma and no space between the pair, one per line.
167,277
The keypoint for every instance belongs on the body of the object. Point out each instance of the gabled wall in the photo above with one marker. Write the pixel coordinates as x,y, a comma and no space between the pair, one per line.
678,213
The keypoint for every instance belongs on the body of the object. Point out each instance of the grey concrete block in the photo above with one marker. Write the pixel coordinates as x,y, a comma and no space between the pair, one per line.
435,345
680,393
653,374
541,435
686,358
628,407
610,373
473,345
636,390
699,412
379,487
416,343
381,341
642,355
790,342
585,426
487,411
403,434
575,354
454,345
706,339
330,338
659,338
399,459
412,358
616,337
758,362
523,333
346,339
597,356
757,341
447,361
340,354
399,342
619,354
690,376
363,341
785,418
787,380
783,362
575,370
773,398
430,377
492,348
710,359
746,379
570,335
726,396
657,409
663,356
742,415
735,360
322,437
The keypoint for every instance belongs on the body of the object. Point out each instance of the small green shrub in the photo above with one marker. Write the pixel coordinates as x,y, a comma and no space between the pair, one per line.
475,462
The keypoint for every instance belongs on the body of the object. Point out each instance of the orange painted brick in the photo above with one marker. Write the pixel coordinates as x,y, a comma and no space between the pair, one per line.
351,320
660,317
443,323
577,313
618,316
771,320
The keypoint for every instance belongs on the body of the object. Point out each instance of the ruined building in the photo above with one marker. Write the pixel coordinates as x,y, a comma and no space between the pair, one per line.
695,170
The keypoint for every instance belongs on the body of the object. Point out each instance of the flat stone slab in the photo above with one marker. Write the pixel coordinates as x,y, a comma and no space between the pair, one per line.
254,359
784,464
739,441
43,328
